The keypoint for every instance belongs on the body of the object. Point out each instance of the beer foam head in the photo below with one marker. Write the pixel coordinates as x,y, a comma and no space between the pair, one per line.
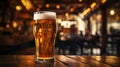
44,15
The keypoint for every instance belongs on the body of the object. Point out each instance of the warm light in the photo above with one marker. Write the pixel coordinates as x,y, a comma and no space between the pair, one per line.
81,24
14,24
18,7
93,5
65,24
47,5
98,58
58,6
103,1
7,26
71,9
80,0
62,38
41,40
27,4
112,12
98,17
81,15
115,25
86,11
63,58
61,33
66,14
59,20
40,30
96,51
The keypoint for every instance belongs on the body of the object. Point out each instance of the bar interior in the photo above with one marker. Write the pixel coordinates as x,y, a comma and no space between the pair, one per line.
85,27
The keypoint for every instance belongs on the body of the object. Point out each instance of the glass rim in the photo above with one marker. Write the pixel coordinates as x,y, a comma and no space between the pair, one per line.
38,12
44,15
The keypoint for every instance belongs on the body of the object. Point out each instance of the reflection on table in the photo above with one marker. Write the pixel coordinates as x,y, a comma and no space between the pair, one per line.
60,61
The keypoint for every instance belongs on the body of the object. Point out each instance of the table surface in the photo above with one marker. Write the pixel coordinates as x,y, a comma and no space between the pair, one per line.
60,61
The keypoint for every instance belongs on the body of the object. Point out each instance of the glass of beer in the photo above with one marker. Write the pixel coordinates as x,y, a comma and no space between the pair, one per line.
44,31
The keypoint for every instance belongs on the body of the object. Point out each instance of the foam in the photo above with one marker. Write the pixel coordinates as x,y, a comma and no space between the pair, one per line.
44,15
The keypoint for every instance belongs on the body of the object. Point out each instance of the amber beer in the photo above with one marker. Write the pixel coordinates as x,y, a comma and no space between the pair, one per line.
44,31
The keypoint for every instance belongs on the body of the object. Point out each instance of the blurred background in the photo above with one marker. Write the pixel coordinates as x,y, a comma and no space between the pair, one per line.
85,27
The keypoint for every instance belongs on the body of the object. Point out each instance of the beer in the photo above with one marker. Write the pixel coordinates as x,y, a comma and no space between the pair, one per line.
44,31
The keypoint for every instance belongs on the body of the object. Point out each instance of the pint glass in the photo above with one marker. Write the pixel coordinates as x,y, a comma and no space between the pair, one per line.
44,31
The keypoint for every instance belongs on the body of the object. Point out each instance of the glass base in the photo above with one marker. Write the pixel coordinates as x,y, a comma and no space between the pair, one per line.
44,60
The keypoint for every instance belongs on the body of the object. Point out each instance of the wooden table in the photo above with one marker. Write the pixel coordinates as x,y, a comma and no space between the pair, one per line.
61,61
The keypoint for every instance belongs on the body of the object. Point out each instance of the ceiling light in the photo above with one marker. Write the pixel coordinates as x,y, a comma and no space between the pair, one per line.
18,7
86,11
58,6
47,5
112,12
15,24
93,5
103,1
80,0
27,4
